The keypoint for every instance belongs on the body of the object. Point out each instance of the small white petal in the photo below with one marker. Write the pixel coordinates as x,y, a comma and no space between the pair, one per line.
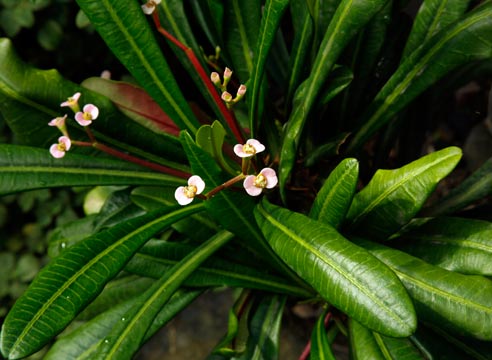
197,181
181,197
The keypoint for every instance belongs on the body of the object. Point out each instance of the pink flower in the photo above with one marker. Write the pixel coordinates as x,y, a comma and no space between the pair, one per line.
90,113
185,194
149,7
249,149
58,150
72,102
254,185
59,122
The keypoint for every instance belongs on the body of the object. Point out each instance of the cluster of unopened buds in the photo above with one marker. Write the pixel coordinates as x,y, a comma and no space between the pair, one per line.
222,86
84,118
253,184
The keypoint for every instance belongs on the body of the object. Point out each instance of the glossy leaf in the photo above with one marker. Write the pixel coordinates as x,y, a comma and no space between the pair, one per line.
465,41
320,345
135,103
366,290
81,343
433,16
272,14
393,197
64,287
153,261
125,29
126,336
348,19
263,340
25,168
335,196
456,244
31,98
453,301
363,345
477,186
232,209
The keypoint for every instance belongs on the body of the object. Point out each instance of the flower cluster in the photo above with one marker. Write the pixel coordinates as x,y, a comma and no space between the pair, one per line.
84,118
253,184
222,85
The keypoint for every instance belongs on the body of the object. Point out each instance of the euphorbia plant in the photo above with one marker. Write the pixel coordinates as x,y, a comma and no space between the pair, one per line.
258,189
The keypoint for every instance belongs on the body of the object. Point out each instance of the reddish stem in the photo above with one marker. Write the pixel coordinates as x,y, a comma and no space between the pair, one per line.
224,185
135,160
228,115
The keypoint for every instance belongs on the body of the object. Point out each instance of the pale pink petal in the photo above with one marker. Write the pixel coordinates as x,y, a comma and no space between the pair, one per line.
55,152
93,110
249,186
238,150
271,177
71,100
259,147
66,141
79,117
181,197
58,121
197,181
148,8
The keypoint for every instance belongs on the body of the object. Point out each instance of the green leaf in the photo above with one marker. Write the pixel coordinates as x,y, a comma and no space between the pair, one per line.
24,168
125,29
366,290
455,244
393,197
126,336
320,346
81,343
460,303
64,287
242,21
467,40
272,14
335,196
31,97
363,345
433,16
153,261
477,186
263,340
348,19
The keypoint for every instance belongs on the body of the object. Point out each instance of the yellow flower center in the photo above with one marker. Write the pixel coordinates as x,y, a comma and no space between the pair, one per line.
190,191
261,181
249,149
62,147
87,116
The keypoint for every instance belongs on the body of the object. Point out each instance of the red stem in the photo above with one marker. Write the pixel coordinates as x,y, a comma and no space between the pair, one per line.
228,115
135,160
224,185
307,350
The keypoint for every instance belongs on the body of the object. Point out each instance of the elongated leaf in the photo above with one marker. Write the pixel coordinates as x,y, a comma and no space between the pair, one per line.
393,197
343,274
263,341
320,346
465,41
126,30
363,345
242,21
456,244
24,168
63,288
153,261
453,301
348,19
474,188
433,16
82,342
232,209
272,14
126,336
335,196
31,98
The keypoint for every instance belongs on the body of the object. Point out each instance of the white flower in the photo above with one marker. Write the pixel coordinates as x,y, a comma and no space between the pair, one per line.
254,185
185,194
249,149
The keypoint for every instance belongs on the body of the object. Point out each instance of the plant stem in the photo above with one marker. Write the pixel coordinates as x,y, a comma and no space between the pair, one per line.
225,185
226,113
